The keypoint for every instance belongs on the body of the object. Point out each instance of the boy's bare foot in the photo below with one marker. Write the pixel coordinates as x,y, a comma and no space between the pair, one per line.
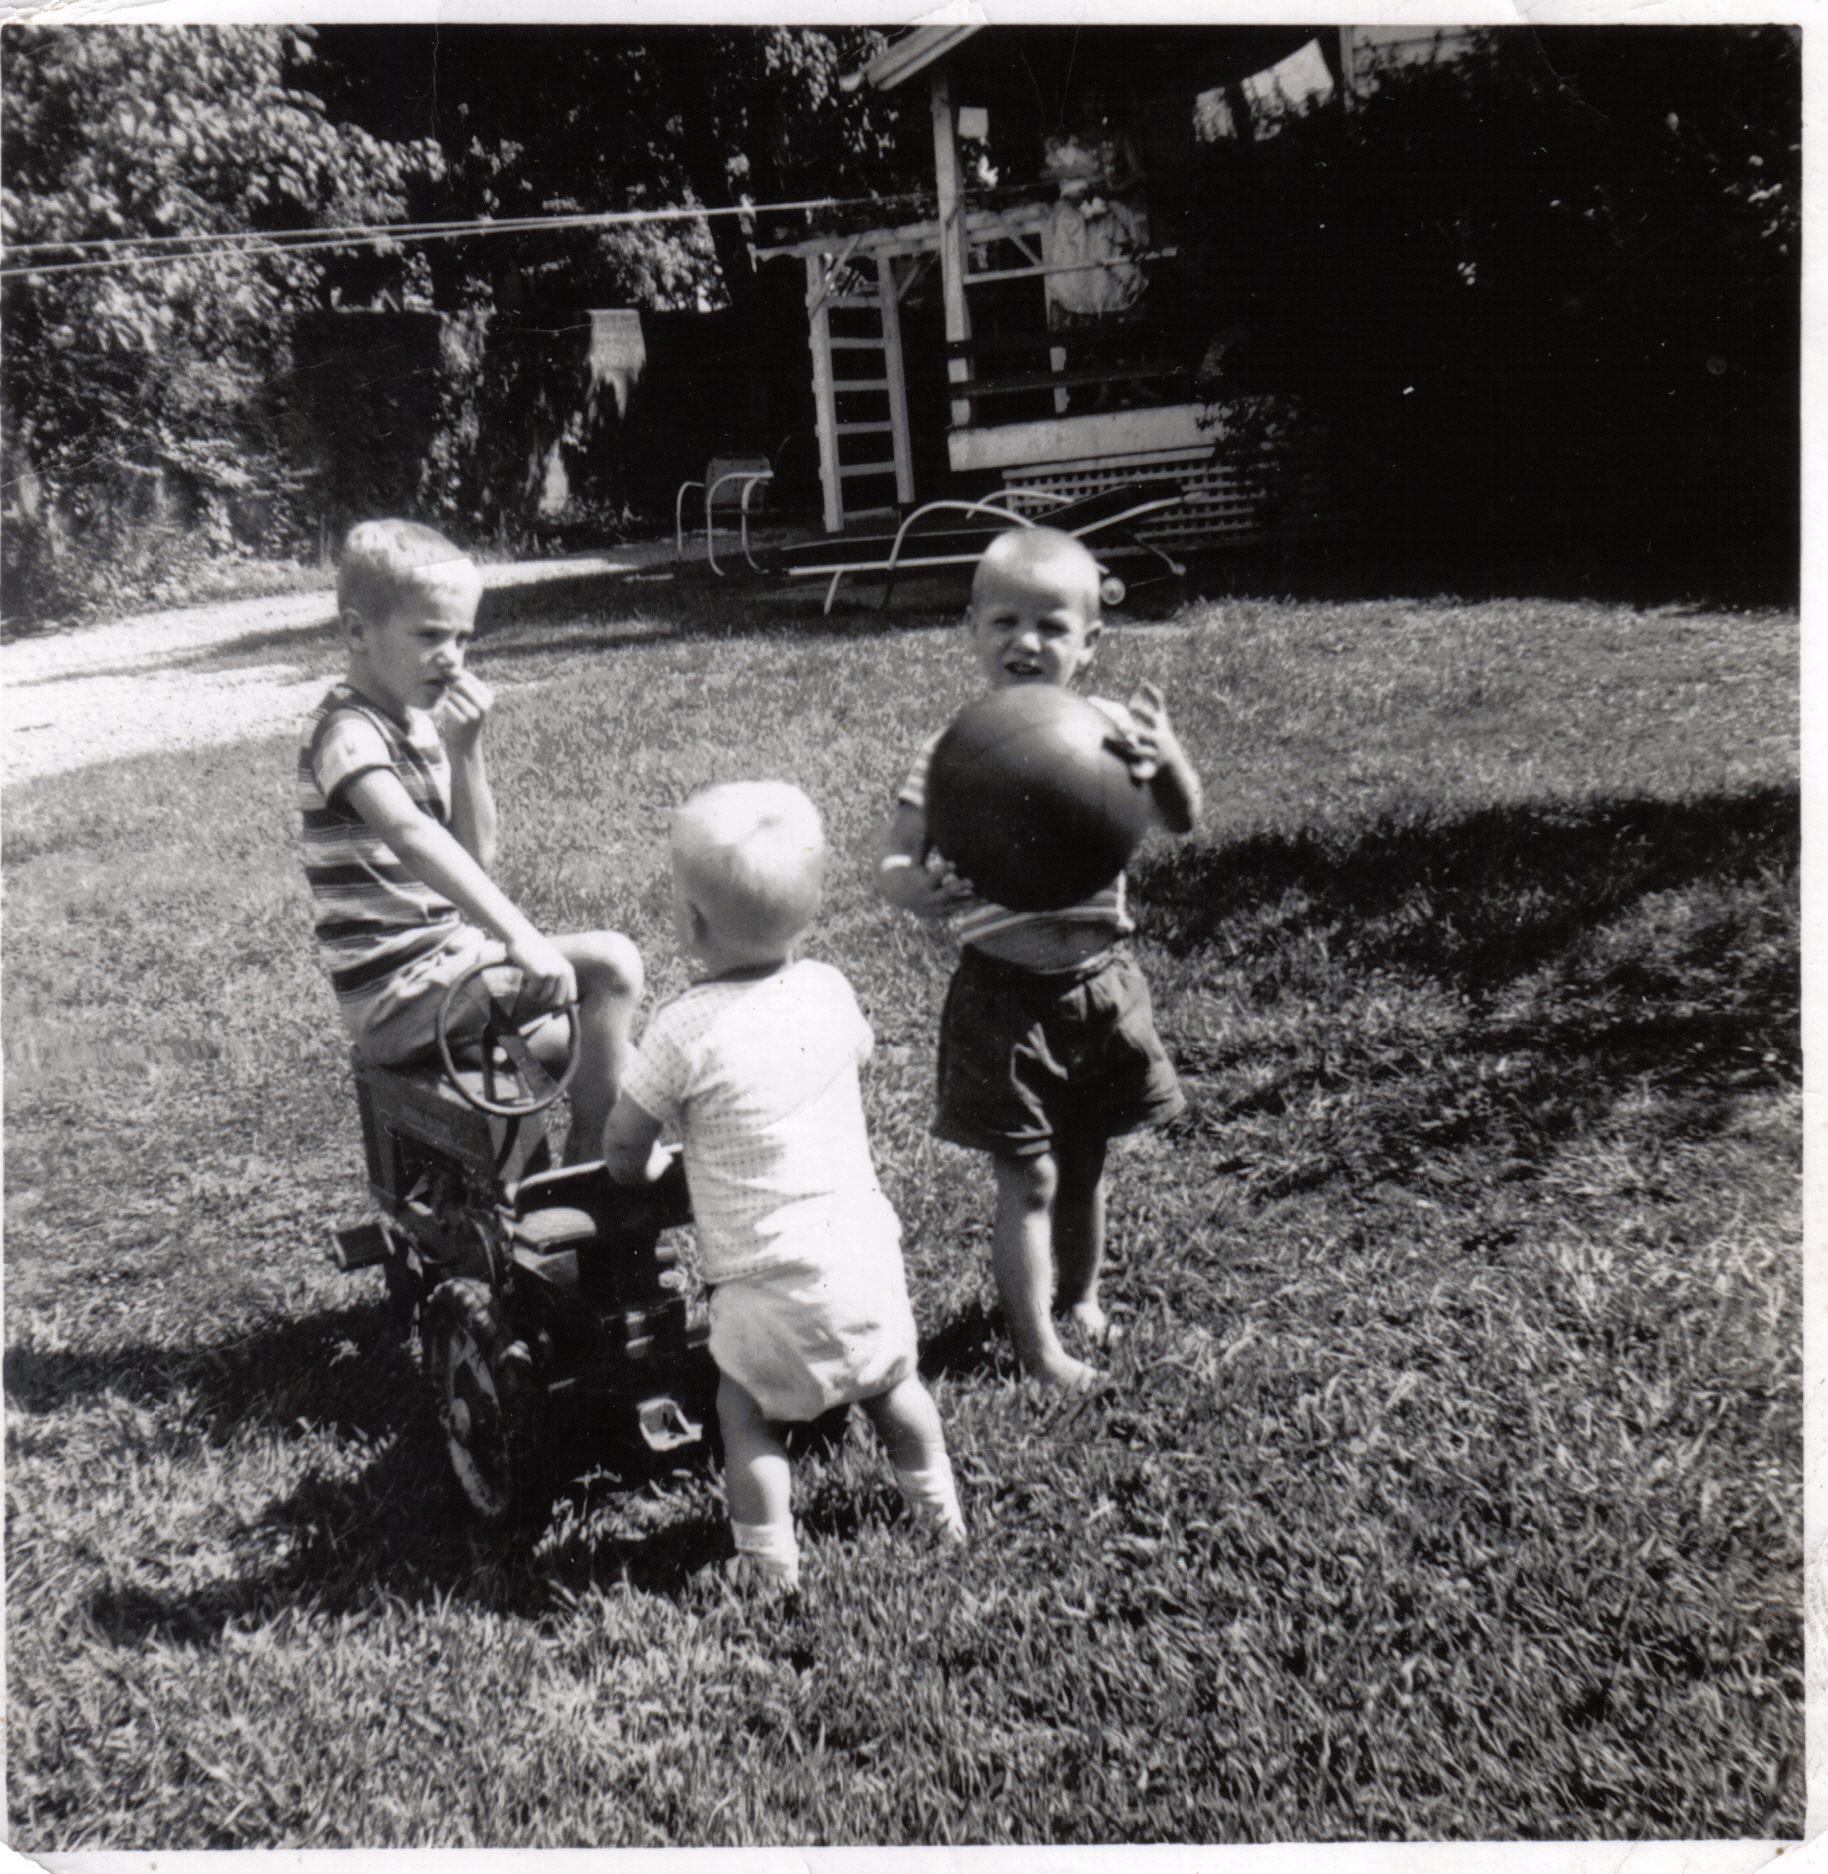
1071,1376
1092,1321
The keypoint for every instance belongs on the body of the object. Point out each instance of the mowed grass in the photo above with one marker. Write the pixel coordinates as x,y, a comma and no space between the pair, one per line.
1451,1487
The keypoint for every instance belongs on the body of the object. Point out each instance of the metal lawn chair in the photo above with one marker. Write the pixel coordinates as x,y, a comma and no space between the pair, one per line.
733,485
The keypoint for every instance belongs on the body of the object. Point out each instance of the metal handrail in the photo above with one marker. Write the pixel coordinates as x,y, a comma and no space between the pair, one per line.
992,505
679,518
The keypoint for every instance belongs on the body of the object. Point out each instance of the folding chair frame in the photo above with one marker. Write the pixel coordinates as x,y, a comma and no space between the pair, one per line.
750,479
999,507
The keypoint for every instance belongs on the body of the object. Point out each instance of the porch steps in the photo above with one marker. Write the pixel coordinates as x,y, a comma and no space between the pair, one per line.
866,298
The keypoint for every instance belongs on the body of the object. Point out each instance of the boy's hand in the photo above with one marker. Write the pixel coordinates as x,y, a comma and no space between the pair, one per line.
946,890
929,887
1153,745
1145,747
549,978
1157,760
463,710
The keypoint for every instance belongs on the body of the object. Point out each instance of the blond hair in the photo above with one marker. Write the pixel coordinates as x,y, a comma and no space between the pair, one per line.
1023,552
385,562
750,855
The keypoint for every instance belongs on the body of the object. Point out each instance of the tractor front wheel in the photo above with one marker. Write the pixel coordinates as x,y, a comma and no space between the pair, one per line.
490,1403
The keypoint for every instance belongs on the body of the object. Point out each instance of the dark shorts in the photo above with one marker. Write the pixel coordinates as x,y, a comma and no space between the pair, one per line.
1024,1056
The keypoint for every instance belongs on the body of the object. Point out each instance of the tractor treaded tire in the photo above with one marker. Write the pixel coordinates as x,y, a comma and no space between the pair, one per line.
490,1409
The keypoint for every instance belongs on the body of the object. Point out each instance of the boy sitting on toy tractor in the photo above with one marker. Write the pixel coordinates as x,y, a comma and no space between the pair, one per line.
399,834
531,1284
546,1298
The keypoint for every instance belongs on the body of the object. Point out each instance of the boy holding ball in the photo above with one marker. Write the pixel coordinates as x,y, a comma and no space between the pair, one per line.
1047,1046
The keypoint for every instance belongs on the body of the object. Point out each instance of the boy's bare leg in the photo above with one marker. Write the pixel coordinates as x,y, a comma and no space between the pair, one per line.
1022,1255
1079,1232
907,1422
758,1482
609,976
758,1488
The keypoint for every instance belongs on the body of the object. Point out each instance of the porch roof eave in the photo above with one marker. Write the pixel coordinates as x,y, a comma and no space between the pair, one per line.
914,237
913,52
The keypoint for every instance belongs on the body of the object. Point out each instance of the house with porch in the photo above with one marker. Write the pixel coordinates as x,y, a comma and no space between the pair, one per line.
1063,320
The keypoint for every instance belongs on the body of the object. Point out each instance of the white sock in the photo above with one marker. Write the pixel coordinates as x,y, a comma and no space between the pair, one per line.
933,1497
771,1549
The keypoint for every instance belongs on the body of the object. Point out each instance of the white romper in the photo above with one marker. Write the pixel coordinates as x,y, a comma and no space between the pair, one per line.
802,1251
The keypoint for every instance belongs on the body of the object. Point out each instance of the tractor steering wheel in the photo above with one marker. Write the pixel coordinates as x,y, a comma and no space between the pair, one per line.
515,1082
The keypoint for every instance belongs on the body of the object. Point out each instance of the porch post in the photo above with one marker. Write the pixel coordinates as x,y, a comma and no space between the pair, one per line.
825,398
952,243
896,374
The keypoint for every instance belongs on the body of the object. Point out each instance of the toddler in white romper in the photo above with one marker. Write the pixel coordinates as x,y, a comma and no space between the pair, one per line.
756,1068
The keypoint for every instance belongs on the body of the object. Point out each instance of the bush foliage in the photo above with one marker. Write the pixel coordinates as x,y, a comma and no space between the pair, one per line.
141,400
1546,297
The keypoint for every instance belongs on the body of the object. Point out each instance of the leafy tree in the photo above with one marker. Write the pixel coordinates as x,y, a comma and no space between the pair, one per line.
554,120
560,119
139,393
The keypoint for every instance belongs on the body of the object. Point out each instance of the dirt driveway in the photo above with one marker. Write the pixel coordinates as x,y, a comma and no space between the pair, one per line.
162,680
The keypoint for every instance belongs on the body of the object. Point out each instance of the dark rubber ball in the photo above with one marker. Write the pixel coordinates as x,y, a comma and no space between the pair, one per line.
1028,800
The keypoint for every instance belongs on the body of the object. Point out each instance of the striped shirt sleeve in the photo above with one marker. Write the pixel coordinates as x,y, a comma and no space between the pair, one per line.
348,744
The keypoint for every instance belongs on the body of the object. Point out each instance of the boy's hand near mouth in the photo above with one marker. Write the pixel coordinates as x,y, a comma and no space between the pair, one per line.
464,708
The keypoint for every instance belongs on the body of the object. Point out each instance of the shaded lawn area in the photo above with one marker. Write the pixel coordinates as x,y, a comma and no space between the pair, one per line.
1452,1484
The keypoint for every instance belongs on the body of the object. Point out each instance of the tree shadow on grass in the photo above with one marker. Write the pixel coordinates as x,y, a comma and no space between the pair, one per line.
1476,900
1585,951
391,1527
974,1341
392,1532
607,610
350,1369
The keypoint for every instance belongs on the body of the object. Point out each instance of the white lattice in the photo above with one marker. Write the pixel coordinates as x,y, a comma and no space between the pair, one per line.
1219,504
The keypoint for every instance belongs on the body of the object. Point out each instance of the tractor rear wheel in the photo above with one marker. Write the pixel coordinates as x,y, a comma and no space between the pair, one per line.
490,1402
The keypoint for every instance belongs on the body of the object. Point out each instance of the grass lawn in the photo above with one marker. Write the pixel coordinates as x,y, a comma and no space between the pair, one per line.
1452,1486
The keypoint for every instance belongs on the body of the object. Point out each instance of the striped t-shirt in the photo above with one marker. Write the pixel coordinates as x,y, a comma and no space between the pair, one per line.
1030,938
372,916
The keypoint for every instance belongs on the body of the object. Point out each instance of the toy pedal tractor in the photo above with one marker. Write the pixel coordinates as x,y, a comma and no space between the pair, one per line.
544,1297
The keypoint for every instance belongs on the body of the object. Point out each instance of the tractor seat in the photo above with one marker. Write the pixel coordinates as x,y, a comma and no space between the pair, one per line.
557,1227
466,1056
426,1070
